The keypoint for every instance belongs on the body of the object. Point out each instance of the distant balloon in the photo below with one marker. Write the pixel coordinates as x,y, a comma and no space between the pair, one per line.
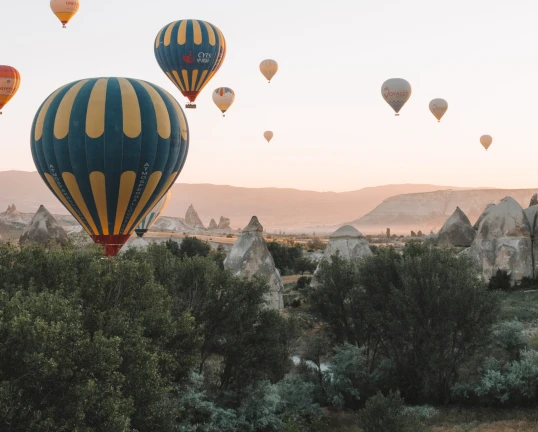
438,108
223,98
486,141
269,68
147,222
10,80
64,9
109,149
268,135
396,92
190,52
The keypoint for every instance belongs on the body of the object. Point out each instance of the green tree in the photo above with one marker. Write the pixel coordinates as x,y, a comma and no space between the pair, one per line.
333,299
303,264
426,312
387,414
114,303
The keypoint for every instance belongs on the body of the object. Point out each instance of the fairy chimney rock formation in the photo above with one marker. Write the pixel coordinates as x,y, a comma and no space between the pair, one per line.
348,242
456,231
504,241
192,219
250,256
213,225
488,208
12,214
224,223
43,229
534,200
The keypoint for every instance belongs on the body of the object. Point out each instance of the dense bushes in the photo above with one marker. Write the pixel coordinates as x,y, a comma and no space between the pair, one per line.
96,344
423,312
289,259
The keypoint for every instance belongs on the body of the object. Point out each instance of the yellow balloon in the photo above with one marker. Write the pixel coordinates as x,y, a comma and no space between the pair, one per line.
486,141
269,68
64,9
268,135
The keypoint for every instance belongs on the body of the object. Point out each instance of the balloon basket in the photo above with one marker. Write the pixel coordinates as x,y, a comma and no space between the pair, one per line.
111,243
396,115
190,105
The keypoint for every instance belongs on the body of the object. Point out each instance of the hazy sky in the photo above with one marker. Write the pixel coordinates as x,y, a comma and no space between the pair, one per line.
333,130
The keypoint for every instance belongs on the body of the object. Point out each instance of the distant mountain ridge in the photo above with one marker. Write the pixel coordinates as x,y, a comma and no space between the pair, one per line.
277,208
429,211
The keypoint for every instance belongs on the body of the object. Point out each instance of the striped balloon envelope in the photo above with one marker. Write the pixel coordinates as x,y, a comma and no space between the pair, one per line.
10,81
190,52
148,221
269,68
109,149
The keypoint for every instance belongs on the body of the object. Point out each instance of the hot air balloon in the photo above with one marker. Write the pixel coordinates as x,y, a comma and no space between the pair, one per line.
269,68
223,98
396,92
64,9
109,149
486,141
190,52
438,108
268,135
147,222
10,80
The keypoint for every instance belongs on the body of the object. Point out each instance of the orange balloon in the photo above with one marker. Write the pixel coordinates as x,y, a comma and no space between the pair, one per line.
10,80
64,9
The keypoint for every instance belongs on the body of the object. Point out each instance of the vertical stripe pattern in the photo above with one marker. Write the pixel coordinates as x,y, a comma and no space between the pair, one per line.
109,149
10,80
190,52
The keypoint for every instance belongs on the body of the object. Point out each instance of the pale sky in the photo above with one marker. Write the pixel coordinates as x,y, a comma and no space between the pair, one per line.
333,130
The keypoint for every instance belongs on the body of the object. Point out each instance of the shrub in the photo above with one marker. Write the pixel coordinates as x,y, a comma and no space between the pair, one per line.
511,337
515,383
387,414
315,244
501,281
303,282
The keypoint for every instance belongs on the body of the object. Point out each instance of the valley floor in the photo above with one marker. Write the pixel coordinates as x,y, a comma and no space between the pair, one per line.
460,420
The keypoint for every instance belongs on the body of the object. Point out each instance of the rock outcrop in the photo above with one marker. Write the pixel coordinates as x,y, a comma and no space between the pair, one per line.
457,231
504,241
488,208
348,243
532,214
250,256
224,223
43,229
534,200
213,225
12,214
192,219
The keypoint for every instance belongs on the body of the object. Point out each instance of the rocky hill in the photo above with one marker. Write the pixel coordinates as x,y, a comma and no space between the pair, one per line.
279,208
429,211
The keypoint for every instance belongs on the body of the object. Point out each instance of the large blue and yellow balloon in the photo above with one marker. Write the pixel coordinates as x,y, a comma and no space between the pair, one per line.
190,52
109,149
